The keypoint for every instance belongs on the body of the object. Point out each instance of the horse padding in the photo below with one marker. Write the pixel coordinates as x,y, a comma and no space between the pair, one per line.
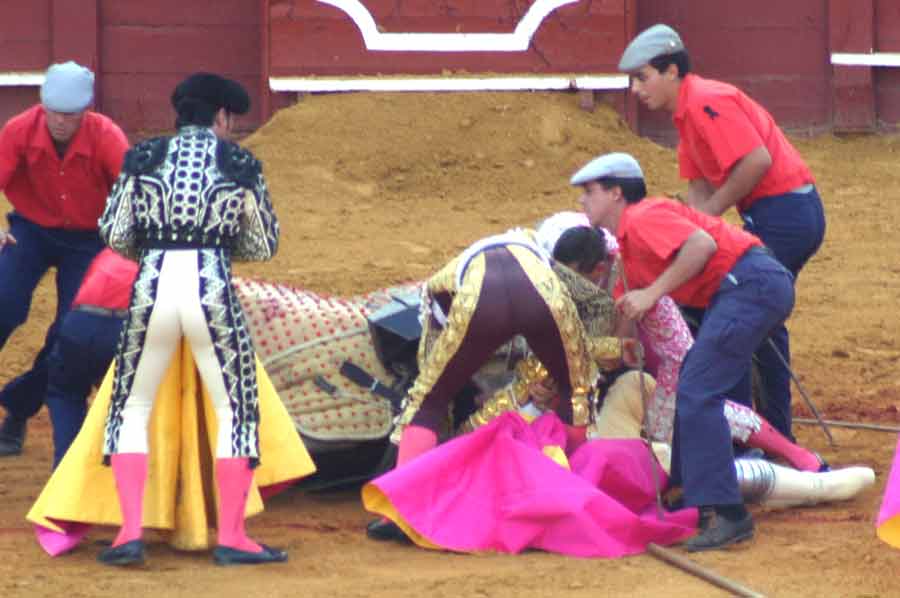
299,336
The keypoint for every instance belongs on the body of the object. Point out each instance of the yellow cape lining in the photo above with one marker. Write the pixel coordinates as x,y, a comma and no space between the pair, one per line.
180,491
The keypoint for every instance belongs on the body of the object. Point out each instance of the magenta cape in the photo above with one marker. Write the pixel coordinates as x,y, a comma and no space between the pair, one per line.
888,524
496,489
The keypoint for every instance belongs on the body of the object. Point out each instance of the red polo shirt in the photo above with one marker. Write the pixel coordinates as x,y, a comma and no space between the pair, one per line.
651,232
107,282
718,125
67,193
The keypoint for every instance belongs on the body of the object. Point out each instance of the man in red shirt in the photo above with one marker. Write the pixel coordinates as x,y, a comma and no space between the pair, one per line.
58,162
701,261
733,153
86,344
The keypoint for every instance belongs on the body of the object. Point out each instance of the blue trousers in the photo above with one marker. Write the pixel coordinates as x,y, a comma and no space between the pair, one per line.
80,357
755,298
793,227
21,268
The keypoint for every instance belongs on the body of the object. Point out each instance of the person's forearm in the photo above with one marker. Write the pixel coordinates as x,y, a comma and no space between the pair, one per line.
745,175
690,261
699,192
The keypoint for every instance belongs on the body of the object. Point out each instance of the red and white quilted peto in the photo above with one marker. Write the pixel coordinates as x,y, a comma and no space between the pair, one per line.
300,335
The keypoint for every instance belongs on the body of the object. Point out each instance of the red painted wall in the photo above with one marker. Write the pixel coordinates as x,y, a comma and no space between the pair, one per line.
887,81
776,50
146,48
24,46
310,38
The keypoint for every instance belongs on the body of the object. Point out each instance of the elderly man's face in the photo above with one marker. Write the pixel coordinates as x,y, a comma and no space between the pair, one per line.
63,125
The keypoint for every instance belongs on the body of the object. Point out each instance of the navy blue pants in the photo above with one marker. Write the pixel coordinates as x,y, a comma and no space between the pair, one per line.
792,226
84,349
754,299
21,268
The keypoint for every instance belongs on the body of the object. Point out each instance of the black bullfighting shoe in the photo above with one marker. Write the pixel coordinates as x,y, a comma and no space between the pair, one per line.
717,531
12,437
225,556
129,553
384,530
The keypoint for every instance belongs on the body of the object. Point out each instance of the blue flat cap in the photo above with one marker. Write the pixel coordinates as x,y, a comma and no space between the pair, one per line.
68,87
616,165
658,40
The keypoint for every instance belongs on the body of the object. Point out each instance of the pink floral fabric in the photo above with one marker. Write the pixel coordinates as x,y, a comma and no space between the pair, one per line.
667,338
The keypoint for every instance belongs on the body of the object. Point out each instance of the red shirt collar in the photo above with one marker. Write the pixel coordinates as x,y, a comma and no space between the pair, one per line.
687,86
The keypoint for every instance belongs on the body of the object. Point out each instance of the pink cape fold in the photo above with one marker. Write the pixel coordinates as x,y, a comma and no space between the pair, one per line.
55,543
888,524
495,490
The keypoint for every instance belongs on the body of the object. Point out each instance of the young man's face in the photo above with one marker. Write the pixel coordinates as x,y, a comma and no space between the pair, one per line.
654,89
63,125
598,203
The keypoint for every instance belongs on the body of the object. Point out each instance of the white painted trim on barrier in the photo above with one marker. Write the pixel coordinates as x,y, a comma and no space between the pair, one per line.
517,41
866,59
11,79
322,84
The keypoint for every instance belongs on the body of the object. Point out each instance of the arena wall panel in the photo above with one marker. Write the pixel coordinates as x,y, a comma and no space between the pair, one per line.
776,52
314,38
781,53
24,35
887,81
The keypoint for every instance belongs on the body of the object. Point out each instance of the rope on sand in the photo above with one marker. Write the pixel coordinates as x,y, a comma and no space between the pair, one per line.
855,425
672,558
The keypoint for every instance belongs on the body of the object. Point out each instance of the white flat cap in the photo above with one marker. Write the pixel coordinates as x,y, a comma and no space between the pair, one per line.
552,228
68,87
616,165
650,43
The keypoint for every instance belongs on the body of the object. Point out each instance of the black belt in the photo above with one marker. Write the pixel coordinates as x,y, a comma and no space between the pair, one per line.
359,376
174,244
102,311
759,249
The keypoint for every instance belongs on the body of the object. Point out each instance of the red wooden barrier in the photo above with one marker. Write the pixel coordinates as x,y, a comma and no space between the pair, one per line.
141,49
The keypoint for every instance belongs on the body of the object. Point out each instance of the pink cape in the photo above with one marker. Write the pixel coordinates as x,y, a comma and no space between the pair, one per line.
496,490
888,524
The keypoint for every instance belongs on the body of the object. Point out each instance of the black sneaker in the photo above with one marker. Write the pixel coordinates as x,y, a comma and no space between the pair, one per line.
385,530
12,437
717,531
225,556
129,553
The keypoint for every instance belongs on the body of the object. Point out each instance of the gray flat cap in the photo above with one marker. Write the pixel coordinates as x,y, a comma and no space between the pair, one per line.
68,87
650,43
617,165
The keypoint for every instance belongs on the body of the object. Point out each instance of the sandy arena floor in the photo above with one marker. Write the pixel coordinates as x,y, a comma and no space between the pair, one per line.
374,190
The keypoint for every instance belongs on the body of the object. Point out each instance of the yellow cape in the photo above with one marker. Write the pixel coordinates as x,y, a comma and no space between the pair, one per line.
180,491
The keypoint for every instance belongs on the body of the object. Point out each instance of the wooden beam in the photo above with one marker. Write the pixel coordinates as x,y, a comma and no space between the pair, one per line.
75,35
265,98
851,30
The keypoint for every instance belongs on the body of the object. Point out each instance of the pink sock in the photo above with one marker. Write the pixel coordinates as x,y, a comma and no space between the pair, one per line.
415,441
233,477
575,437
130,471
775,443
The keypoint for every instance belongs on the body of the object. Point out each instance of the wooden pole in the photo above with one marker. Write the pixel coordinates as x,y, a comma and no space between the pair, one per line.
855,425
672,558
